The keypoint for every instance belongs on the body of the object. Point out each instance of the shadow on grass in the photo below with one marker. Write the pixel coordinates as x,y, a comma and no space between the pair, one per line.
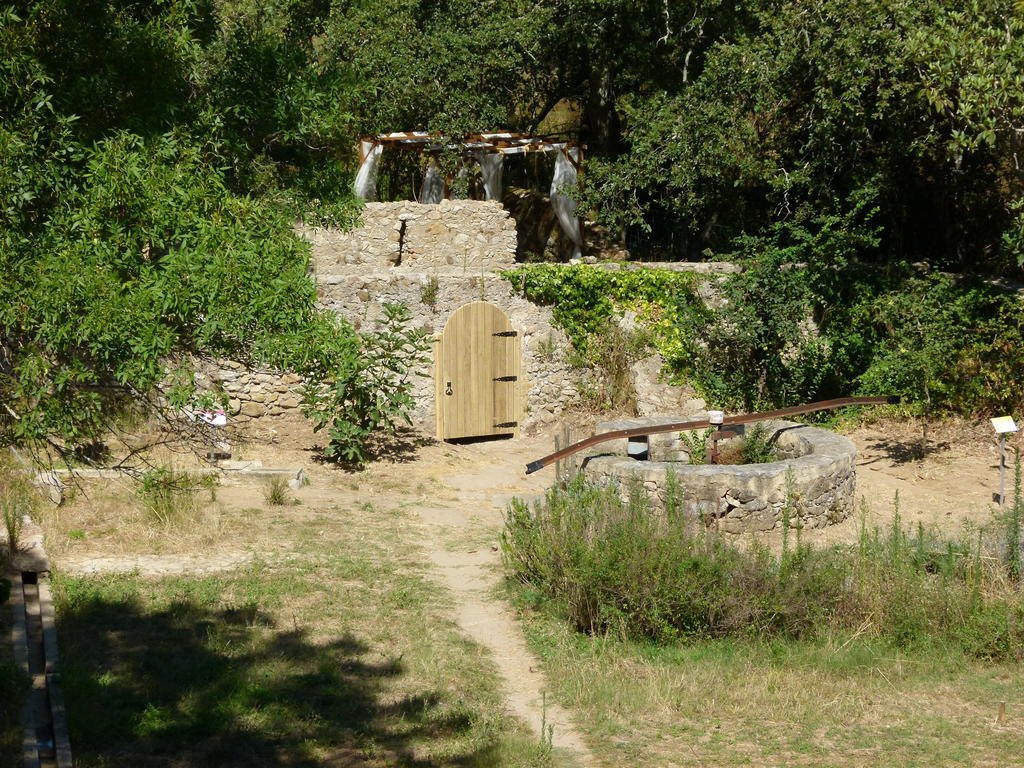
189,685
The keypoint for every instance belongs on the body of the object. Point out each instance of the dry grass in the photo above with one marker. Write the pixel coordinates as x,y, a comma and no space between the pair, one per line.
335,648
745,704
112,518
18,500
275,492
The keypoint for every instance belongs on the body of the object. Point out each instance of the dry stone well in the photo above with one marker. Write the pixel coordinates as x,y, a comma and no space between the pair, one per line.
816,470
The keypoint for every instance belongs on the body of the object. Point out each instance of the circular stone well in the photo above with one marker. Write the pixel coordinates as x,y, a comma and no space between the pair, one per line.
817,465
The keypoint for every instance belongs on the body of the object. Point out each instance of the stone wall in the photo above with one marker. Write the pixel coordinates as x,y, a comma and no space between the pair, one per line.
549,384
435,259
472,235
820,466
252,393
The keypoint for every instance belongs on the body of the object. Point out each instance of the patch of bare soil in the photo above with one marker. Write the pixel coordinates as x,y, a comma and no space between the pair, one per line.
951,486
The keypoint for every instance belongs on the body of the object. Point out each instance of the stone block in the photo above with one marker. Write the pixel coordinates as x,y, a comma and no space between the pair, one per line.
252,410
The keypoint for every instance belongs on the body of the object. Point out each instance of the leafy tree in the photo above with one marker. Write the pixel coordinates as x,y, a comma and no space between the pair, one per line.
148,259
127,256
368,388
815,102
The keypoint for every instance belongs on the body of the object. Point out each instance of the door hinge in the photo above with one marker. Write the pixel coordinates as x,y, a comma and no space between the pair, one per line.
506,333
506,425
506,378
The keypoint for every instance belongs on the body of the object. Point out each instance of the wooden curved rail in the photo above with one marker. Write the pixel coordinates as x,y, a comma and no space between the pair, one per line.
679,426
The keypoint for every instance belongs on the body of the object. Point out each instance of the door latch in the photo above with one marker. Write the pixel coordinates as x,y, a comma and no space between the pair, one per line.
448,388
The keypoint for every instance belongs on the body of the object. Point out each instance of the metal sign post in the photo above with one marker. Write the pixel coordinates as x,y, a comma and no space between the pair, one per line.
1003,425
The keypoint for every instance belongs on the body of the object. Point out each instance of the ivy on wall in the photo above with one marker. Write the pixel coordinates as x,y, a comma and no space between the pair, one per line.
586,298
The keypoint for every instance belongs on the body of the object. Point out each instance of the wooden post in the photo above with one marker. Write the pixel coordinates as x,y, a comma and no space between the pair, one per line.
1001,717
569,465
1002,469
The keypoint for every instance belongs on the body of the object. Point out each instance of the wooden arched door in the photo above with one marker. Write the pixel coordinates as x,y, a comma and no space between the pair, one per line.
476,374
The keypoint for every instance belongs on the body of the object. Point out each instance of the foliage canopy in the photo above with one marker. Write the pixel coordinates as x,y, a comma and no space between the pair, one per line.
153,156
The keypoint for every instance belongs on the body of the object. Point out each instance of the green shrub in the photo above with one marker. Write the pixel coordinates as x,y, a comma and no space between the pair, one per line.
169,497
368,385
612,353
610,565
586,298
757,446
698,444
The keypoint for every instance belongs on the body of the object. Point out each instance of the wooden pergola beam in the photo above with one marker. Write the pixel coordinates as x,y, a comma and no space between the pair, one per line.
504,142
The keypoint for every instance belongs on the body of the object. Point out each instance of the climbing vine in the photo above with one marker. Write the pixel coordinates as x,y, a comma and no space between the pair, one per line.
585,298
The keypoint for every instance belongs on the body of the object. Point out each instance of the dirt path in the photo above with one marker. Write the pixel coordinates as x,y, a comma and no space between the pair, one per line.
459,492
462,543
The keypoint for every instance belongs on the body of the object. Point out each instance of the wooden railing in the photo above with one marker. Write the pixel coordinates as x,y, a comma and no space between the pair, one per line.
680,426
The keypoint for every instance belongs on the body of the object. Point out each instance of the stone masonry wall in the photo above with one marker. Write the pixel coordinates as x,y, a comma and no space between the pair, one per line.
472,235
547,386
252,393
548,383
434,259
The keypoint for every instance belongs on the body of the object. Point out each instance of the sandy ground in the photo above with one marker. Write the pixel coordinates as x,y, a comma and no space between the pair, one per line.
953,486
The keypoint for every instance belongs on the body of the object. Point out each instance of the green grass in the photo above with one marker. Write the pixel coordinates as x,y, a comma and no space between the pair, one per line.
336,651
826,702
674,646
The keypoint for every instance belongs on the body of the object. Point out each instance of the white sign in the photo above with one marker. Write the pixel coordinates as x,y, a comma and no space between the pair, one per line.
1003,424
217,418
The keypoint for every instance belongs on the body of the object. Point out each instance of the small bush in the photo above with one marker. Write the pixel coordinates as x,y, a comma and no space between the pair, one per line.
428,294
698,444
169,497
610,565
754,447
368,385
757,446
611,355
275,493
